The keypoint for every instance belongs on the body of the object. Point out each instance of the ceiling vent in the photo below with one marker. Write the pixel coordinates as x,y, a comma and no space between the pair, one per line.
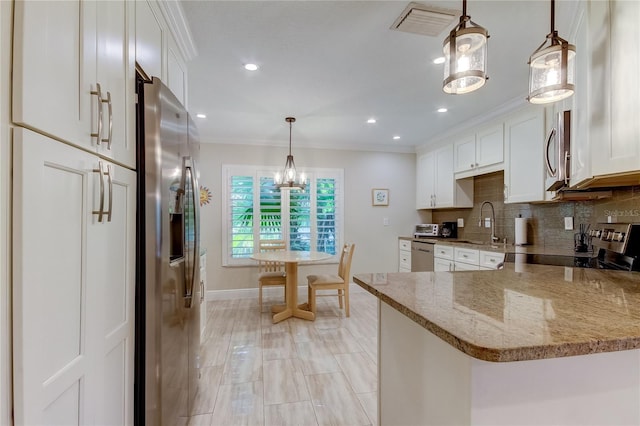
424,19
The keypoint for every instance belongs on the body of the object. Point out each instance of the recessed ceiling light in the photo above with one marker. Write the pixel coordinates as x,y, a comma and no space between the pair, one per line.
201,115
442,110
439,60
371,120
250,67
395,138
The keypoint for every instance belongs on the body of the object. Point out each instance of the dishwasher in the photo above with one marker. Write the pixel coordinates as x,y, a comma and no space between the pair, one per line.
421,256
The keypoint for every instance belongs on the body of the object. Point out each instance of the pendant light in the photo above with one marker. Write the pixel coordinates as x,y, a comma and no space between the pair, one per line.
551,68
465,52
289,179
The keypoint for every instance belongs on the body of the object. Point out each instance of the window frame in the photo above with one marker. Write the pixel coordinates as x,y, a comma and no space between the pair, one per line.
257,172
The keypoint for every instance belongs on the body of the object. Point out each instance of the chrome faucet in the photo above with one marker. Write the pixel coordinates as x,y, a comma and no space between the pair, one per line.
493,221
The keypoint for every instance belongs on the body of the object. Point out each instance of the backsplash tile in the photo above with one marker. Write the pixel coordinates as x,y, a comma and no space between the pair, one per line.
546,220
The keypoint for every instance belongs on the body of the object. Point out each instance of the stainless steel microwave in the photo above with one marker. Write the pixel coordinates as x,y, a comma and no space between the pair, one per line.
558,153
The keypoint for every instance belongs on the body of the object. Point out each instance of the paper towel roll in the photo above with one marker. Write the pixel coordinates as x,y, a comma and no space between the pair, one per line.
521,231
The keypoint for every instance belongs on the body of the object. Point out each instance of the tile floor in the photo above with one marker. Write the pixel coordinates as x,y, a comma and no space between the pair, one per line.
295,372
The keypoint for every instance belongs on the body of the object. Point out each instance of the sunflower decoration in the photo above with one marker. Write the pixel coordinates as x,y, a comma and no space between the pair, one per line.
205,195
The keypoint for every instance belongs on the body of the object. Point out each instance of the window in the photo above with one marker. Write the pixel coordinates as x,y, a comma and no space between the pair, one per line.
307,220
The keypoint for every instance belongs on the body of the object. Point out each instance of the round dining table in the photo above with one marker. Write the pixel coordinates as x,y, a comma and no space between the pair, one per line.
291,258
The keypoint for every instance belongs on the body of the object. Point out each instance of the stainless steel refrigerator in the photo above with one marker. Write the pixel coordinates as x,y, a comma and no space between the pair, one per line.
168,293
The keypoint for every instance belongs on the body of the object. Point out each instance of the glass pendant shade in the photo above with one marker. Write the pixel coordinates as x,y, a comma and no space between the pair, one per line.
465,65
289,178
551,72
552,68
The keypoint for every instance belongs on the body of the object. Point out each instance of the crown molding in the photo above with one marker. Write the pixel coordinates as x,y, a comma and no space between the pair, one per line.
179,26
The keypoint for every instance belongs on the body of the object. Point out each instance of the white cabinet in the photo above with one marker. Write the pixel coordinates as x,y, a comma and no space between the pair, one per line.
404,256
466,259
149,36
524,172
436,186
480,153
620,151
442,258
73,283
73,74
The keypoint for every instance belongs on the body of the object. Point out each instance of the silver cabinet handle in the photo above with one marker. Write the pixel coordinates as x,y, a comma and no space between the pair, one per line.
100,211
110,109
109,173
98,92
201,291
506,192
110,179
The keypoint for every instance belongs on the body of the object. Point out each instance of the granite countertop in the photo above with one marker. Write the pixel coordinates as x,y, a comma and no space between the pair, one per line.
538,312
502,248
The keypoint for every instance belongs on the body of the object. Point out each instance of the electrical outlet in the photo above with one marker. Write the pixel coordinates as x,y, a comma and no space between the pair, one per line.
487,222
460,222
385,221
568,223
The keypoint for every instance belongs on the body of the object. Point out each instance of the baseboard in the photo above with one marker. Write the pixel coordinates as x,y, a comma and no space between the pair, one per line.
248,293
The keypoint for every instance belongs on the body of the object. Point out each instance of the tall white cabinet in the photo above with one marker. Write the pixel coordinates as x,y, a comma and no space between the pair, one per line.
74,277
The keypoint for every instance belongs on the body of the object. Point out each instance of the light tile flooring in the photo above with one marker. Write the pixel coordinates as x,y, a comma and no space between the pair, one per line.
296,372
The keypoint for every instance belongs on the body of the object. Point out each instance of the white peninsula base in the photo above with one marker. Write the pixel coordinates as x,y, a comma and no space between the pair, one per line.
426,381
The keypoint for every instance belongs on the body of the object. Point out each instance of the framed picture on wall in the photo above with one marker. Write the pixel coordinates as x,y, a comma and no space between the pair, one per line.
380,197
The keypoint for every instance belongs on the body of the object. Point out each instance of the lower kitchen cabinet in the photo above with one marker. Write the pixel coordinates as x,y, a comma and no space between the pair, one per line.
73,285
442,258
404,256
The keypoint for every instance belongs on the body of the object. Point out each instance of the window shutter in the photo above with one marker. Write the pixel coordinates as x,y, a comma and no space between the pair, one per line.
326,215
241,217
270,210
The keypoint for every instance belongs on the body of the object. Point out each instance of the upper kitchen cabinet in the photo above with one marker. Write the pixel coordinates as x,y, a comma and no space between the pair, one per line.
605,142
480,153
72,77
149,36
524,167
163,45
620,152
436,186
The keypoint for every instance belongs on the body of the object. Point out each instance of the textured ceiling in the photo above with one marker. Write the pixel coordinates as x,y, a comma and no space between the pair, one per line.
335,64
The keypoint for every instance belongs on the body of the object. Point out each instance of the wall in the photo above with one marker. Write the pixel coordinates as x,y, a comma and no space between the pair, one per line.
546,221
376,245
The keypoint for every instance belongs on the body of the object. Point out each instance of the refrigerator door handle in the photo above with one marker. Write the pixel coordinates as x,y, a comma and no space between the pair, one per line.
190,286
550,169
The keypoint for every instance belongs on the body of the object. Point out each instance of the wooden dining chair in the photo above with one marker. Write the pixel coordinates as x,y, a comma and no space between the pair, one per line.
338,282
271,273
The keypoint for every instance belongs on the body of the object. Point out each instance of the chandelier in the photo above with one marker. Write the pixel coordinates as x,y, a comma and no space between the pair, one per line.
289,179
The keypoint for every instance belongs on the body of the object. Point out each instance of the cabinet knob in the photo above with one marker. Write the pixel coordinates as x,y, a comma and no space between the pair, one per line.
471,165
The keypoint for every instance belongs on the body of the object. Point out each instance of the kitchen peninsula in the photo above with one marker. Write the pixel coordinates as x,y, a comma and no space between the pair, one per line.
541,345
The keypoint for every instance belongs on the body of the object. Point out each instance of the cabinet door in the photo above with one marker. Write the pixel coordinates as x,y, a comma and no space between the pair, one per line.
465,154
149,39
524,169
621,152
442,265
580,122
425,183
490,146
54,303
114,73
444,181
53,55
73,286
111,270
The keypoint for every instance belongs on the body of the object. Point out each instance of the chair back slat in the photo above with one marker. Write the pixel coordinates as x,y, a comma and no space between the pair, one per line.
271,245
